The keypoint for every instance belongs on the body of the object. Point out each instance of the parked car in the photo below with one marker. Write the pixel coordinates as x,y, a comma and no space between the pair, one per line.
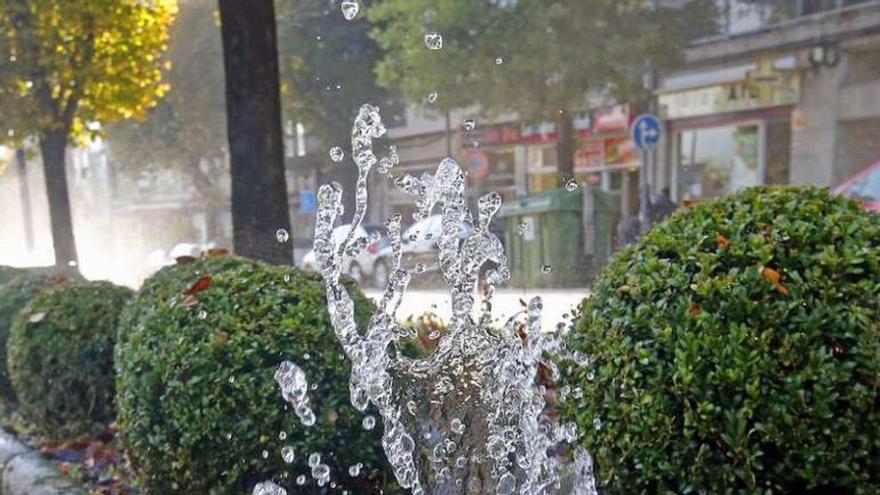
363,267
420,244
863,186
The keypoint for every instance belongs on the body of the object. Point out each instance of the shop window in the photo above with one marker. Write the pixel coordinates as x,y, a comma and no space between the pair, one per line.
718,160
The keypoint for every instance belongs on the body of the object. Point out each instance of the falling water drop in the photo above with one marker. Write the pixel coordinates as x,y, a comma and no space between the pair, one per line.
546,268
434,40
571,185
350,9
469,124
336,154
281,235
369,422
432,97
288,454
268,488
499,61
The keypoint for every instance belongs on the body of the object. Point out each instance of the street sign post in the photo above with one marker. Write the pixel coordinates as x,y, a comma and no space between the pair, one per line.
646,132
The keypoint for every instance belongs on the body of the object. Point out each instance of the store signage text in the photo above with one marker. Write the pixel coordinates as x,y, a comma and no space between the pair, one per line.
750,94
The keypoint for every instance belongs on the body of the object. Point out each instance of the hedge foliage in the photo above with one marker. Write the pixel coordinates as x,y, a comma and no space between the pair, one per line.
736,349
199,407
60,356
14,295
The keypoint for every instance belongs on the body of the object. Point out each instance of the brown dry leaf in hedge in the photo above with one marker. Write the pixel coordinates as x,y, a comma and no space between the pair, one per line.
773,277
694,309
200,285
722,241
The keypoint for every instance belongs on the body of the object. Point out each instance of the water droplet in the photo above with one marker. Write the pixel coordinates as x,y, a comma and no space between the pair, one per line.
499,61
301,480
368,423
265,454
350,9
268,488
571,185
577,393
434,40
232,379
314,459
321,472
281,235
506,484
432,97
546,268
294,387
469,124
597,423
591,376
419,268
282,435
336,154
354,470
457,426
203,314
288,454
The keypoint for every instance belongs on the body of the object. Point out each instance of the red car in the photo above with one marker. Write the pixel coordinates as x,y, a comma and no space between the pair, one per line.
864,186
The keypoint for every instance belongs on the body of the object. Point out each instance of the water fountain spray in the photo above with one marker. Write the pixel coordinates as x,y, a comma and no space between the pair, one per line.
471,417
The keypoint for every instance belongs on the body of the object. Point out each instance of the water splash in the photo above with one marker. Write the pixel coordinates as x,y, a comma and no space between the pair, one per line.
350,9
294,387
472,417
434,41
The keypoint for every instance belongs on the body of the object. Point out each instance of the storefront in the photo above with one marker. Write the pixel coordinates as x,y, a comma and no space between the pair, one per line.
488,155
732,135
606,156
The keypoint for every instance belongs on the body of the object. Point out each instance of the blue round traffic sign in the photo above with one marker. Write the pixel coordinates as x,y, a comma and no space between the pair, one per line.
646,130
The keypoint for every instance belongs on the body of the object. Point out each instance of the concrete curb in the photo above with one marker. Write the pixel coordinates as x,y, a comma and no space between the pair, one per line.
23,471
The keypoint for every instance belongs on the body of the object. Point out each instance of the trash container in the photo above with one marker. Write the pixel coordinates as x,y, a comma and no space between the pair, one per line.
543,236
606,215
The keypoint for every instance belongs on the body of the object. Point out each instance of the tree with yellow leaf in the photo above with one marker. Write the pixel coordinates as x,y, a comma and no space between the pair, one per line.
65,65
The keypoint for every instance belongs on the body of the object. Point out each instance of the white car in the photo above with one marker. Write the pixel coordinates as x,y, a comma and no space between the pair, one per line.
363,267
420,243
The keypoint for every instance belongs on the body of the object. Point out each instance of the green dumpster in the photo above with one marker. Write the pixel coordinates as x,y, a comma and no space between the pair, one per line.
605,217
544,239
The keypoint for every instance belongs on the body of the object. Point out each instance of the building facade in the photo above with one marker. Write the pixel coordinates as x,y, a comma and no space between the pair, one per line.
794,99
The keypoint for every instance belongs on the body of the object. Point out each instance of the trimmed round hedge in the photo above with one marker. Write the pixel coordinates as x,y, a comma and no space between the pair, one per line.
736,349
14,295
60,356
199,408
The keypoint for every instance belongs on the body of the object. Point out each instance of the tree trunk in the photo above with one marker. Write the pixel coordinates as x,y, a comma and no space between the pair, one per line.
253,115
25,193
565,147
53,145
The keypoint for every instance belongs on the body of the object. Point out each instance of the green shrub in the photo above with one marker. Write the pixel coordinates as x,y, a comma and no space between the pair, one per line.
710,374
14,295
60,356
199,407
